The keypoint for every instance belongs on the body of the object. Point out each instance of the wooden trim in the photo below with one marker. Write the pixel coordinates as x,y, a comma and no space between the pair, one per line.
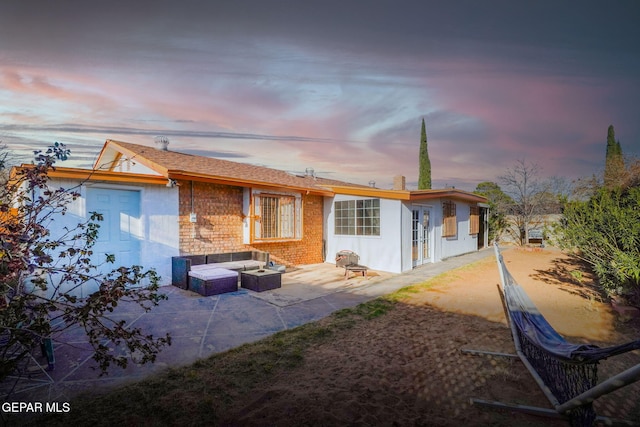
447,193
449,219
258,185
115,161
298,233
370,192
102,175
11,216
413,196
474,220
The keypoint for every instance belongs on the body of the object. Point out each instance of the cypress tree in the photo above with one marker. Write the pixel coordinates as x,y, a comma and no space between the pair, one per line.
424,179
611,142
614,162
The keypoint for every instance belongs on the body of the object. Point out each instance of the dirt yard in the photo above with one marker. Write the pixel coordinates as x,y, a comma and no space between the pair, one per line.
406,367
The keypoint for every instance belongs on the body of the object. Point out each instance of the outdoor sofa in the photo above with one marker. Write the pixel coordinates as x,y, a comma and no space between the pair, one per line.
234,261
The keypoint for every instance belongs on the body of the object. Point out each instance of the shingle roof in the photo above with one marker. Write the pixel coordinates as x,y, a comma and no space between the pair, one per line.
174,164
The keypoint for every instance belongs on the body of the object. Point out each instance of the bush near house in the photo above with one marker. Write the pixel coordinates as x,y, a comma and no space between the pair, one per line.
498,202
40,274
605,231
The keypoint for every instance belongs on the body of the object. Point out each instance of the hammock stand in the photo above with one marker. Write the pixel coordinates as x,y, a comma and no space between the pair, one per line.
565,372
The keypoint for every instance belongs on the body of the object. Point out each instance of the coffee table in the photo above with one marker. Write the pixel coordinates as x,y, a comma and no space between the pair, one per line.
260,280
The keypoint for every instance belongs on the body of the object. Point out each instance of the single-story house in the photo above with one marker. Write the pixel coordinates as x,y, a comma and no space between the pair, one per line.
397,230
158,203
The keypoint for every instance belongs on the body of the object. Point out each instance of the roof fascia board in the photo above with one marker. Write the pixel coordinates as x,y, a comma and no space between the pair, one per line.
135,156
370,192
450,193
101,175
407,195
98,163
188,176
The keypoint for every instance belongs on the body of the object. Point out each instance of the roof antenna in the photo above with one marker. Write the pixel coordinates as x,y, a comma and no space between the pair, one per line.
162,142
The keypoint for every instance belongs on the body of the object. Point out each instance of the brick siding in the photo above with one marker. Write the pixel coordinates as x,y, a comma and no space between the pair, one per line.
218,226
308,250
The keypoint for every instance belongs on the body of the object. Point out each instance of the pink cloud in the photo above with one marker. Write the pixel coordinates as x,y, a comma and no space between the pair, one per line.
547,119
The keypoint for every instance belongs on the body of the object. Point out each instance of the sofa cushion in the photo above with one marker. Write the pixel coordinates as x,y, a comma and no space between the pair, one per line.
218,258
196,259
233,265
261,256
241,256
204,267
251,264
212,273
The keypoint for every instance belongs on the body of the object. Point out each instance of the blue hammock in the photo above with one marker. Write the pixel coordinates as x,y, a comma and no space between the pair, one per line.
566,372
534,326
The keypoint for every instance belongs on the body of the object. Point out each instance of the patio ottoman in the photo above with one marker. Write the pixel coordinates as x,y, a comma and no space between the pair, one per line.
260,280
213,281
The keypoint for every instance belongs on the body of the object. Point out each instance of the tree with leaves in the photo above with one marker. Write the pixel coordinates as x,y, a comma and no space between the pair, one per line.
424,178
602,224
499,205
40,275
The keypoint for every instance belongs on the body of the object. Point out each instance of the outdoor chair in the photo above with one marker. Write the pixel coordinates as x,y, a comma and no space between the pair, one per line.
350,261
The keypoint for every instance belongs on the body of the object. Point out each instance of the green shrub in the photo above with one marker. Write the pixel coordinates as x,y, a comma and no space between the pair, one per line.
605,231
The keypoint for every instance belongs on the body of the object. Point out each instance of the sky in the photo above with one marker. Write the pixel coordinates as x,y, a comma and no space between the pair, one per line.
340,86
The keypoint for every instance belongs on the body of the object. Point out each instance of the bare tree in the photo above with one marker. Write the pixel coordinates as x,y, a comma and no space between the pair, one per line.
530,195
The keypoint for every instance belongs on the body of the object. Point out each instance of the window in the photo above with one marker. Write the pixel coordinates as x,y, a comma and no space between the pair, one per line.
357,217
449,221
277,217
474,220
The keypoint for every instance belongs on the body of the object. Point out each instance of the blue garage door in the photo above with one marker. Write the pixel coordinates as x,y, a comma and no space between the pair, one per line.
121,230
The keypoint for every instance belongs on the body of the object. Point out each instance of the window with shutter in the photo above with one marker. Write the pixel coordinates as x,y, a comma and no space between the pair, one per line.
449,220
474,220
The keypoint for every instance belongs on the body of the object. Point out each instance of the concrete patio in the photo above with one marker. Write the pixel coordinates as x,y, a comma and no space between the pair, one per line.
202,326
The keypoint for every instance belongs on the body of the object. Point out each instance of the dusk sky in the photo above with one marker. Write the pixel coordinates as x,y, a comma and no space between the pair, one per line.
339,86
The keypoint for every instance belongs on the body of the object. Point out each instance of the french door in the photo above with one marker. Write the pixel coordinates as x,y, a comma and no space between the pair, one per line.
421,235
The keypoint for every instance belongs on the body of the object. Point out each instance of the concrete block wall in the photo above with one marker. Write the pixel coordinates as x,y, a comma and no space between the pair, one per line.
219,222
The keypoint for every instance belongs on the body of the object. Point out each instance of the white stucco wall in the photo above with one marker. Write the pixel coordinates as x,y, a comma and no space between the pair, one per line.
161,239
382,252
462,242
392,251
157,226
